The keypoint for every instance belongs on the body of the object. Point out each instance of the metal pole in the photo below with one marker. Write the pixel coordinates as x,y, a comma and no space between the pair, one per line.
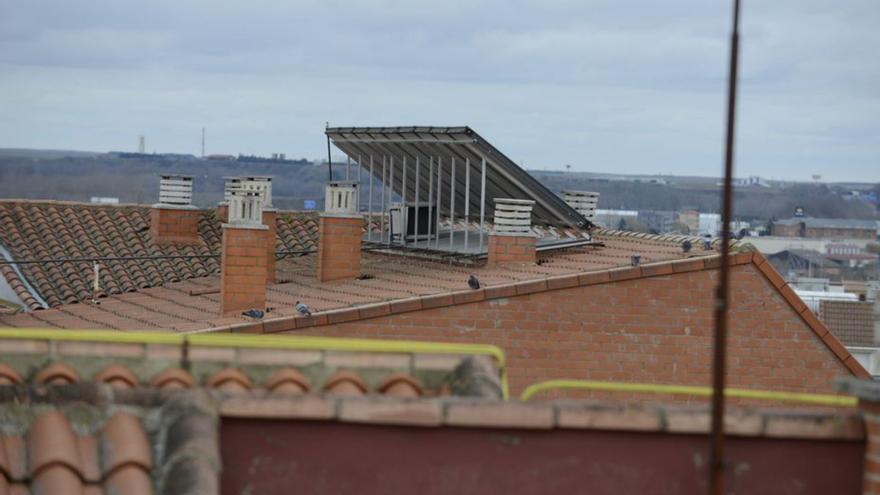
347,167
405,215
482,203
452,204
370,202
390,194
383,211
430,199
439,199
467,200
329,161
716,455
359,174
418,186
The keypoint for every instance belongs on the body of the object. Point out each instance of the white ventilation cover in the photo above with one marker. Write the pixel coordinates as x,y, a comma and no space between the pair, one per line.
261,184
584,202
175,190
245,206
341,197
513,216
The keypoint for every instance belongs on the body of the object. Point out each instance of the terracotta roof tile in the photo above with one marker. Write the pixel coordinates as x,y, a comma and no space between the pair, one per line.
850,321
117,376
230,380
345,383
56,374
400,385
173,379
287,381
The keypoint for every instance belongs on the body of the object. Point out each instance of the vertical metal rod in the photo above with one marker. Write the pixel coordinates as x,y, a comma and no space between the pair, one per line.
329,160
452,204
482,203
383,211
347,167
439,199
467,200
391,196
418,186
370,202
359,172
405,212
430,199
716,456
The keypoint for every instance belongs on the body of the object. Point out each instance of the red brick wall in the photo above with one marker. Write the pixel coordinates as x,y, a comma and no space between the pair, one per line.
174,226
339,247
511,249
655,329
243,270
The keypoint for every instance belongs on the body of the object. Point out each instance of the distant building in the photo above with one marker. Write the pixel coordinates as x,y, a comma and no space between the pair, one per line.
101,200
612,218
751,181
690,219
832,228
709,224
657,221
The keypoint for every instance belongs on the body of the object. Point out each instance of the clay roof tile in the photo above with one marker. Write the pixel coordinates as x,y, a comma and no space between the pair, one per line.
117,376
345,383
51,442
173,379
56,374
400,385
229,380
57,480
129,480
124,442
287,381
8,375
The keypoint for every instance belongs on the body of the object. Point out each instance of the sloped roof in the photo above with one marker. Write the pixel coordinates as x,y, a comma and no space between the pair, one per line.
851,321
53,230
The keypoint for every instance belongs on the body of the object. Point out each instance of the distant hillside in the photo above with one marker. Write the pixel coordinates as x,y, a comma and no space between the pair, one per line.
47,174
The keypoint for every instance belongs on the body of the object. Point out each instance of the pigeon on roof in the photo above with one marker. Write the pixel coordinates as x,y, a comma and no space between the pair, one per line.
686,246
253,313
473,282
303,309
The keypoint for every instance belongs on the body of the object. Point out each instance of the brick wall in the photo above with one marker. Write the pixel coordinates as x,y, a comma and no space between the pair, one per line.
655,329
511,249
786,230
171,225
243,269
339,247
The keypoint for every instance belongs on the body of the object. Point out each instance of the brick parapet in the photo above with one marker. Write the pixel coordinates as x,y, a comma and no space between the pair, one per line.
339,247
174,225
243,269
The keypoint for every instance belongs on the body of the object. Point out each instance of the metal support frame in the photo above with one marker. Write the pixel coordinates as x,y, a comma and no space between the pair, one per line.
403,218
347,167
452,204
418,187
482,204
439,198
383,211
467,200
430,198
390,193
370,203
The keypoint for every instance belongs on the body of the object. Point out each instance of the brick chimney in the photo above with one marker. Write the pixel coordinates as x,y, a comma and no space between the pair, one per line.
584,202
174,220
243,265
512,239
262,184
339,233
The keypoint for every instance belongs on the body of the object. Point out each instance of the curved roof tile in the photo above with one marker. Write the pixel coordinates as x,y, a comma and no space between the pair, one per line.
51,442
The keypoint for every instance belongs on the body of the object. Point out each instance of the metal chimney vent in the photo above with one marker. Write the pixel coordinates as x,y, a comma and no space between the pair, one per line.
175,190
341,197
263,184
513,216
584,202
245,206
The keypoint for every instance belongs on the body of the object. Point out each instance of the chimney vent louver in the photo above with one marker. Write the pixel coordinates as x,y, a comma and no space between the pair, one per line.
245,206
175,190
513,216
263,184
341,198
584,202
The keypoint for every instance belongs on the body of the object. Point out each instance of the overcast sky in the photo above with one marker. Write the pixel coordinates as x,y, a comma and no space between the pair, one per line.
617,85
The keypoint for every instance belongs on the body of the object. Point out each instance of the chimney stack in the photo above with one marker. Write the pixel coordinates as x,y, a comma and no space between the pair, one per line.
263,185
243,266
174,220
512,239
339,233
584,202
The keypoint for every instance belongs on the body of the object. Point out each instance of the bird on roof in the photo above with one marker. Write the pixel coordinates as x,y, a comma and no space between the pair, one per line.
686,246
303,309
253,313
473,282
